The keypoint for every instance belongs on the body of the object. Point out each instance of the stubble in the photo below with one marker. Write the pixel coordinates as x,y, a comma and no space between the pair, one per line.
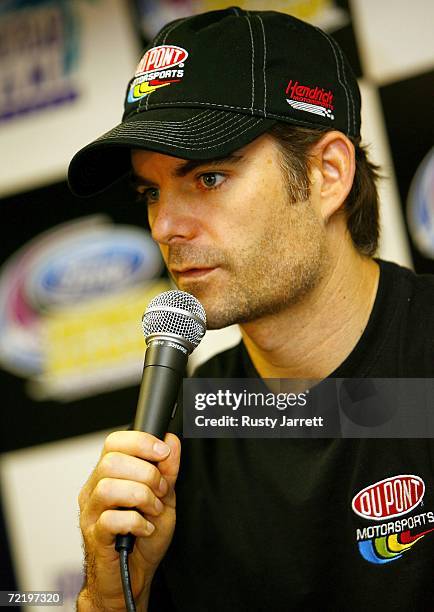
264,273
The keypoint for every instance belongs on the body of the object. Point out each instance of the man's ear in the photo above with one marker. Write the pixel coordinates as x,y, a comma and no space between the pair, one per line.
334,162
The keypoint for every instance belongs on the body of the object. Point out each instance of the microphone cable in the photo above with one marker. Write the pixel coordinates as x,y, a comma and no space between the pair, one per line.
124,545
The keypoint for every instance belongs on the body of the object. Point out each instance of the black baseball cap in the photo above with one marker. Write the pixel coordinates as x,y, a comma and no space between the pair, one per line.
211,83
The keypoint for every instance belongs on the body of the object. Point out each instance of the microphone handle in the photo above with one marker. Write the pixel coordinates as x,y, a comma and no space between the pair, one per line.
164,368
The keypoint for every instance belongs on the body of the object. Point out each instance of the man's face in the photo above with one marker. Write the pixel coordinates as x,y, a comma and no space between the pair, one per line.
229,234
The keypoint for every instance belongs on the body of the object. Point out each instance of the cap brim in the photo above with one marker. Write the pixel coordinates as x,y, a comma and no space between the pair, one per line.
188,133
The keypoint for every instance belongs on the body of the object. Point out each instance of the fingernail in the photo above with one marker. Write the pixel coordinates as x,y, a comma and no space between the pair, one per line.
149,527
158,505
163,486
161,449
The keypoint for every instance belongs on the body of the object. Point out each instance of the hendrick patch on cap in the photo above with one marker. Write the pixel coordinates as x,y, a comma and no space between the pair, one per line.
211,83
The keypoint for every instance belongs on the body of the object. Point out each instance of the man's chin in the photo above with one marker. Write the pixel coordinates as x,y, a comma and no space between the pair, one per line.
219,319
219,313
216,318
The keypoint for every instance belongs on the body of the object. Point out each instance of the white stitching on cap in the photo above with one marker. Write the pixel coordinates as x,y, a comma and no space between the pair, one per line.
253,61
166,34
263,66
184,121
143,128
207,117
180,125
193,127
271,115
162,33
206,104
236,11
217,123
336,46
339,75
166,126
174,26
157,38
349,88
203,148
216,117
143,132
131,130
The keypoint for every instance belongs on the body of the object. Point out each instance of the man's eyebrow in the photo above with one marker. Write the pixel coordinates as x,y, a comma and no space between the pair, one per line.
188,166
135,180
185,168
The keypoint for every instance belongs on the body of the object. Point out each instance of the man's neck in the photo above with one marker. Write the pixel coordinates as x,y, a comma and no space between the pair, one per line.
312,338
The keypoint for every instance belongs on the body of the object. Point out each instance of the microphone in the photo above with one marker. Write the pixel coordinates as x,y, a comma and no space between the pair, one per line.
174,323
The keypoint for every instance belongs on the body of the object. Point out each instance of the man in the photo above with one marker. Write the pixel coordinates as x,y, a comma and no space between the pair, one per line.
243,130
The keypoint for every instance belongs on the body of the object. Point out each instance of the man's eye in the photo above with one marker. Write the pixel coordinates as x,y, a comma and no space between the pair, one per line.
211,179
149,195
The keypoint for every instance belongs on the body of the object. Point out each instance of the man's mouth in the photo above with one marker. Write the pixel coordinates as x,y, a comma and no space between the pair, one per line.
191,272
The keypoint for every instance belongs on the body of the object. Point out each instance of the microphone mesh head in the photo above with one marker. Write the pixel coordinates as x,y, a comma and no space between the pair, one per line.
177,313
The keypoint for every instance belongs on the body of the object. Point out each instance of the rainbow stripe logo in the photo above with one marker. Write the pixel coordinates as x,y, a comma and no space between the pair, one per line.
389,548
384,500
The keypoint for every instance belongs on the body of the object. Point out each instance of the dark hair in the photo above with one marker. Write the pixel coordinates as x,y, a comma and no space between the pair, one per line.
361,205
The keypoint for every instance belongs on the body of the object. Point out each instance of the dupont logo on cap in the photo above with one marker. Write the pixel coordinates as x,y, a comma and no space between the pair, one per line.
157,58
159,67
390,497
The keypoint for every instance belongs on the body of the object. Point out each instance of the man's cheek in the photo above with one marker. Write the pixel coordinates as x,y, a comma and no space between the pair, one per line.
164,250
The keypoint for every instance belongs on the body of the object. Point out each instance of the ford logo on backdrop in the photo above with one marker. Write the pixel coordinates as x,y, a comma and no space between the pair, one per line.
71,302
99,262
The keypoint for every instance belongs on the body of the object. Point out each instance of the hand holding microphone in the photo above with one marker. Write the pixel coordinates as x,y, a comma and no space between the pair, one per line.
136,471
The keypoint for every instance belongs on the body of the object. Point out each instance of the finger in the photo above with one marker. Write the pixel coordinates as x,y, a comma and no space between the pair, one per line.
133,443
119,465
136,443
113,522
113,493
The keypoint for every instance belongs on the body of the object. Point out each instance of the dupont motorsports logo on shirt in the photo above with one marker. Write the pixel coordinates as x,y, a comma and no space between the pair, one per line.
387,502
159,67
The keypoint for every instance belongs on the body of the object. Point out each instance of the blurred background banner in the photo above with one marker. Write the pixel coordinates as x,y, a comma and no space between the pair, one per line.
39,56
62,63
76,275
326,14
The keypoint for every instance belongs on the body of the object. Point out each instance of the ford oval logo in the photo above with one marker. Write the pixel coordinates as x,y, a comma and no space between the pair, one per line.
390,497
97,263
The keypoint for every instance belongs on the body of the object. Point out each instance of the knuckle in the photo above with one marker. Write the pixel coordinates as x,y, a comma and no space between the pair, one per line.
139,495
105,520
109,462
153,475
103,489
111,441
135,521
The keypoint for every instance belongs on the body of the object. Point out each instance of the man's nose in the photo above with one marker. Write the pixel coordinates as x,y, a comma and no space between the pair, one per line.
171,219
